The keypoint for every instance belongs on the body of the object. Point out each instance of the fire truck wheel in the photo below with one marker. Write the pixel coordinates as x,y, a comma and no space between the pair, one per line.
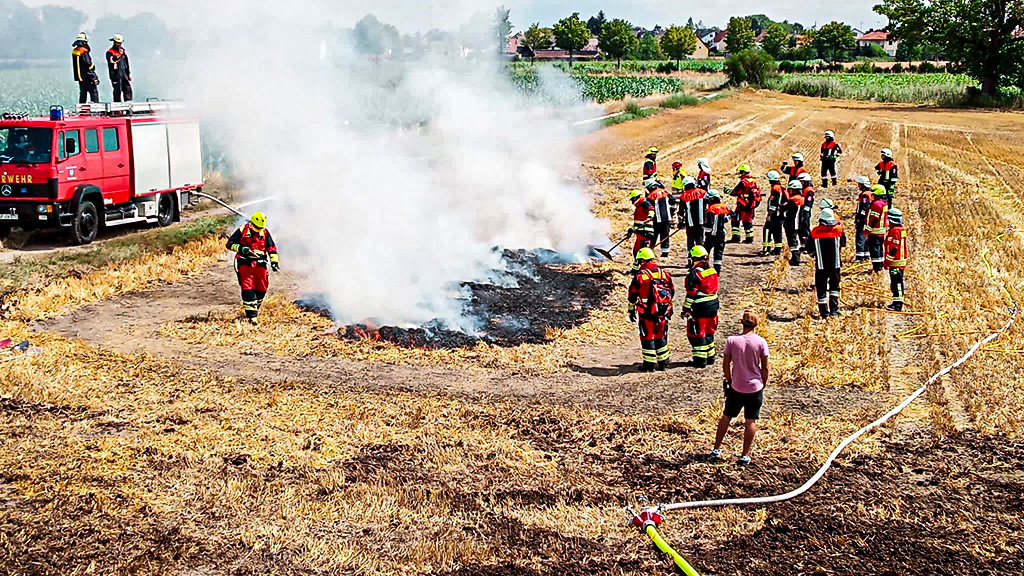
86,224
165,210
5,231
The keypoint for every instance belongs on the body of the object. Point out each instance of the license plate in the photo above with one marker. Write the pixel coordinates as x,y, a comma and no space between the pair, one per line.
8,216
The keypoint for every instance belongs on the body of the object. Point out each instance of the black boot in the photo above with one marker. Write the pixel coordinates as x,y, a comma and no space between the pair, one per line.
697,363
749,240
647,367
835,182
794,260
735,239
824,182
718,269
777,252
662,365
895,307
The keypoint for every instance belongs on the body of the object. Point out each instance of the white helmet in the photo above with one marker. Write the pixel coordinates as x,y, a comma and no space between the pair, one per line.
864,181
704,164
827,217
805,177
798,157
887,152
689,182
82,37
830,134
826,204
896,216
796,185
774,176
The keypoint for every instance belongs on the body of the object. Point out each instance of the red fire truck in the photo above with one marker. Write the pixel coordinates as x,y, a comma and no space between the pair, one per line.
108,164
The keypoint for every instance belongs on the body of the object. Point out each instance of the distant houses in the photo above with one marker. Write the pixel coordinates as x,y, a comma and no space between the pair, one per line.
878,38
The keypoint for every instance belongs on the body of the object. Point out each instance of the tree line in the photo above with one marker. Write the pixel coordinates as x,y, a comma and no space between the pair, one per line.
46,32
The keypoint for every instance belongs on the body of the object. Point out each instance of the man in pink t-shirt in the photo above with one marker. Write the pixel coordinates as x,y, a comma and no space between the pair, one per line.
745,364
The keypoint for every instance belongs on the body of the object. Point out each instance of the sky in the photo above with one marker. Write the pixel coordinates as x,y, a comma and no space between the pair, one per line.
410,15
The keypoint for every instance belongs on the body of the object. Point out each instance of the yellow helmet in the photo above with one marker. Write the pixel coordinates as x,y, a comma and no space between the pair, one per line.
698,252
645,255
743,168
258,220
634,194
879,190
652,150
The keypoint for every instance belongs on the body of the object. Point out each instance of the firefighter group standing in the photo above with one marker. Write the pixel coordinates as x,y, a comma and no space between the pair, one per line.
84,70
696,208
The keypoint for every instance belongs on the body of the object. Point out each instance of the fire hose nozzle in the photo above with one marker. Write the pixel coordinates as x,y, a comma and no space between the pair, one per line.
648,517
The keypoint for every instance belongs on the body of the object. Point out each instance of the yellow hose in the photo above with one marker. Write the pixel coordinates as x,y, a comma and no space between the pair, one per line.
681,563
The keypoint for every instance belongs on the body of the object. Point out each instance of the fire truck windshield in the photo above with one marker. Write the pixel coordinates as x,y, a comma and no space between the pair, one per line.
26,145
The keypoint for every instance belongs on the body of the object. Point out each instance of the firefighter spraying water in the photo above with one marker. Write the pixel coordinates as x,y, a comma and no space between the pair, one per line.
255,252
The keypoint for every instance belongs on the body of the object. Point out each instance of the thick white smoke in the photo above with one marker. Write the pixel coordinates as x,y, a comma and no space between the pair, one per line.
395,181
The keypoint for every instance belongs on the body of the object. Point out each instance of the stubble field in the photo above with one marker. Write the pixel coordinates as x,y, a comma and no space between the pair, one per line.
153,433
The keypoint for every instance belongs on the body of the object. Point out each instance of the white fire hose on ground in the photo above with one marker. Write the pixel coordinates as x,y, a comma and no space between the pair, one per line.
652,516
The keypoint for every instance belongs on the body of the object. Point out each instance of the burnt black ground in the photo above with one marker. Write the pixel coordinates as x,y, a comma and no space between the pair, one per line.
534,295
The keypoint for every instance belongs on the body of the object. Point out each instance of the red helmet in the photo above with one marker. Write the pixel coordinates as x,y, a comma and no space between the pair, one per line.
677,165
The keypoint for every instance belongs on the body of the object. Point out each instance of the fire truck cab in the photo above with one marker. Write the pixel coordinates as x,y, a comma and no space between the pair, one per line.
108,164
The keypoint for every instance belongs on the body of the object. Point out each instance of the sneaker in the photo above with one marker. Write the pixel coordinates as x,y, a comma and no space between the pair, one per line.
743,461
716,454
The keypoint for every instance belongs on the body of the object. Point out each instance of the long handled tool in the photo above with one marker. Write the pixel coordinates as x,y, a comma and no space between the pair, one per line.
608,253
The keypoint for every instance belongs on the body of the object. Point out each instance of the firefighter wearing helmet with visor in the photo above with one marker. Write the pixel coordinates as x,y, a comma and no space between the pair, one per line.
650,303
255,251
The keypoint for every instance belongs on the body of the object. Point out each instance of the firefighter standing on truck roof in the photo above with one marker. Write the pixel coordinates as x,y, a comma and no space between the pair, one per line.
650,169
84,70
643,223
254,250
772,233
864,201
120,70
691,215
748,198
888,174
826,243
660,198
650,302
701,307
876,226
716,220
830,153
896,254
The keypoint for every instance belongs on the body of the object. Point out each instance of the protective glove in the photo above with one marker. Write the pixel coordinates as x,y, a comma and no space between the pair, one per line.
632,316
275,266
246,251
630,233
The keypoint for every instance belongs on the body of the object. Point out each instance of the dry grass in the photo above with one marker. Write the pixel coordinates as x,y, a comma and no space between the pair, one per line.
132,464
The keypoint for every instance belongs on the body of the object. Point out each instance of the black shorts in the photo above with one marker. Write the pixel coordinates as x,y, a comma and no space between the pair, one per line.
749,403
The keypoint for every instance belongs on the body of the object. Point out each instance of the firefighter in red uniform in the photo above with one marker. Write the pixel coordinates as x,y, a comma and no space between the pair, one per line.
864,201
791,219
650,169
748,198
650,302
888,174
805,212
796,169
896,254
703,174
830,153
643,222
691,217
84,70
876,226
826,243
254,251
716,220
661,200
120,70
701,307
771,235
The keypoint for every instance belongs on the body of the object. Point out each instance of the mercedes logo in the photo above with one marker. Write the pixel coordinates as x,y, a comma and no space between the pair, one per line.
5,190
